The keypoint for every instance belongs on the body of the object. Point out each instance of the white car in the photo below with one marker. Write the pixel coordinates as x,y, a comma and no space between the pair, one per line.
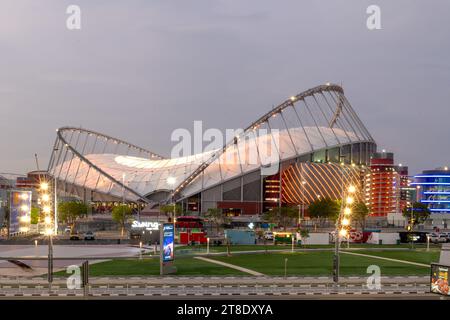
437,237
268,235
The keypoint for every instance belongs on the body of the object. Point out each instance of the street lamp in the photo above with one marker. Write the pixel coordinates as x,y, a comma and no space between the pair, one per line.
342,228
171,182
50,229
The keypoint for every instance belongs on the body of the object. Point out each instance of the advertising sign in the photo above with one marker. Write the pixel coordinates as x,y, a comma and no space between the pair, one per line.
19,211
439,279
147,225
168,239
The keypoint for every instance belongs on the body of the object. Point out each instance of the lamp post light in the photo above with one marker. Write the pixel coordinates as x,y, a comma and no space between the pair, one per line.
51,223
301,206
171,182
342,229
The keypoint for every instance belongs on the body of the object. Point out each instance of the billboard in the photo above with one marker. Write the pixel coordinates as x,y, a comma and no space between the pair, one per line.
439,279
19,211
167,242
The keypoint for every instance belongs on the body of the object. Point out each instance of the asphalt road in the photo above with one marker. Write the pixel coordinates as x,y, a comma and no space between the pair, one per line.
225,288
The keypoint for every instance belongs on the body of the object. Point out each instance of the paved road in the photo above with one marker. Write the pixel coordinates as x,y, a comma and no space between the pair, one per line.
60,251
216,288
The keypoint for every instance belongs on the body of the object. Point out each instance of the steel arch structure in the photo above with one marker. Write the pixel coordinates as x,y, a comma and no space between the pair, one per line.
317,120
63,145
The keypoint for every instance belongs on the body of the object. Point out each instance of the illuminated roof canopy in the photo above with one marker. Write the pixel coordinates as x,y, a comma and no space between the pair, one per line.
317,119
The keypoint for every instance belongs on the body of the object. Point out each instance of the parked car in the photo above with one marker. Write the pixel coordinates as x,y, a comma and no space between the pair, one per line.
68,230
75,236
268,235
89,236
438,237
447,235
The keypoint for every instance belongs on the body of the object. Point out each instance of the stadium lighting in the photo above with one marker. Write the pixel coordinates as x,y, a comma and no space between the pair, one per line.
347,211
47,220
171,180
352,189
25,219
46,209
349,200
44,186
342,233
45,197
345,222
49,231
24,196
24,207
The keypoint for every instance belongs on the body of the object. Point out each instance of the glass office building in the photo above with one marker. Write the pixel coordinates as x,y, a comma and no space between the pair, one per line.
433,189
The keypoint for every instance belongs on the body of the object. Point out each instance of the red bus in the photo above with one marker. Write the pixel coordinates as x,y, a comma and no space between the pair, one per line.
190,230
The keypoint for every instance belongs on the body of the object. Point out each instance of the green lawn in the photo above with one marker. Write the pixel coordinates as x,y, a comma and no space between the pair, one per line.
307,263
319,263
419,256
150,267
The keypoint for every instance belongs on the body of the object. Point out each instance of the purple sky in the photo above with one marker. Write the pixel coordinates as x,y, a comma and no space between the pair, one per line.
138,70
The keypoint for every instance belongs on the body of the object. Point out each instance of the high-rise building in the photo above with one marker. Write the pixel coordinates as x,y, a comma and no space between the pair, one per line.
404,187
387,185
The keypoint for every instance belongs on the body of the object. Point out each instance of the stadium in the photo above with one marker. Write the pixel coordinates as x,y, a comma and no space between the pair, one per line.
318,146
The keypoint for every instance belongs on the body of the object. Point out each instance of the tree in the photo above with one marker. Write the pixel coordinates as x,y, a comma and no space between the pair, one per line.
121,214
324,208
34,216
216,216
282,216
71,210
419,212
168,209
360,213
304,234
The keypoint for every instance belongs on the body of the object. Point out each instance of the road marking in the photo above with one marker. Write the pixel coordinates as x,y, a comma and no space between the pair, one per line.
232,266
388,259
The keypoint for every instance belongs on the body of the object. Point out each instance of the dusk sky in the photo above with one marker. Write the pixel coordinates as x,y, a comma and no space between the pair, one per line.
138,70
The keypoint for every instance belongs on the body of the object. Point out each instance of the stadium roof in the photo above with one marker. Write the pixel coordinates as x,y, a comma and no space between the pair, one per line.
317,119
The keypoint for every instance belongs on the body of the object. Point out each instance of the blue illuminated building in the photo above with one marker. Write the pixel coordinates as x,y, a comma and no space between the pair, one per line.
433,188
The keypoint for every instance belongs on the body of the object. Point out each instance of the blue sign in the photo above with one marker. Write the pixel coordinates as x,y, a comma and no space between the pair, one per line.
168,239
19,211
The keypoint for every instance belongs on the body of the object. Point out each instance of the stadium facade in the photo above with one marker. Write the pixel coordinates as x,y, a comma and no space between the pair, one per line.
318,146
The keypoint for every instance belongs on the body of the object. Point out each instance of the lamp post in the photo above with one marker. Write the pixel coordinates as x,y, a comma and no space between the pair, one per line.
301,206
49,230
171,182
342,226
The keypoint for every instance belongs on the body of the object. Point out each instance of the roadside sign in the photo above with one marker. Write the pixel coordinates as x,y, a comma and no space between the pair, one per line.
439,279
